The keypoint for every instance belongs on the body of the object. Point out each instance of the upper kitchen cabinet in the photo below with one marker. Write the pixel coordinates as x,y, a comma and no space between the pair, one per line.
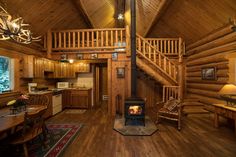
64,70
82,67
48,65
28,66
38,67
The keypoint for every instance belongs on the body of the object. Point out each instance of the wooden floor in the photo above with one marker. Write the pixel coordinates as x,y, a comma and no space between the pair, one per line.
198,138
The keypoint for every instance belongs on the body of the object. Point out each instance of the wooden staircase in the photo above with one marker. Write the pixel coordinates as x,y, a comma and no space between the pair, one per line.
156,64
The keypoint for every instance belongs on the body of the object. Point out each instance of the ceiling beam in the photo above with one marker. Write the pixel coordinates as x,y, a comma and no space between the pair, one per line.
162,8
119,9
82,12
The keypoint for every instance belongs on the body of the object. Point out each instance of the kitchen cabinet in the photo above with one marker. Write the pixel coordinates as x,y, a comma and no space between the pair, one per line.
48,65
38,67
77,98
66,98
28,66
82,67
64,70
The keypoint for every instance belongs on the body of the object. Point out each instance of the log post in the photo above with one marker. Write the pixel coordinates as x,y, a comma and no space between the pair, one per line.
127,41
181,80
49,43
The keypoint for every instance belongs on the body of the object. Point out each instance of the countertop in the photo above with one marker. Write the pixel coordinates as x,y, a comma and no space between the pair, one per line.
56,90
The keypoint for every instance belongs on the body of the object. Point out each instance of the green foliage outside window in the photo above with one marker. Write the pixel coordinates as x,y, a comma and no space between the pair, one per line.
4,74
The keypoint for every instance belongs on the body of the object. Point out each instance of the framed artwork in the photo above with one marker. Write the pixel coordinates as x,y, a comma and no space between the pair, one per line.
114,56
63,57
209,73
94,56
120,72
80,56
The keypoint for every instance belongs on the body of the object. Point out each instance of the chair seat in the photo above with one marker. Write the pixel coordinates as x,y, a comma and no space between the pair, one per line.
29,135
166,111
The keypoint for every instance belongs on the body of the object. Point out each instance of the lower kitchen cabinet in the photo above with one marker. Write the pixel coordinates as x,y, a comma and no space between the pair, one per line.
77,98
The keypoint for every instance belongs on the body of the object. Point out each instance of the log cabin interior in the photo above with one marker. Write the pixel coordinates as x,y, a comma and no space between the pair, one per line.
110,65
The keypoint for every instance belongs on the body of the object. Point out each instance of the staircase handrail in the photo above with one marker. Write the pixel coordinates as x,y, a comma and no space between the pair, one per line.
168,67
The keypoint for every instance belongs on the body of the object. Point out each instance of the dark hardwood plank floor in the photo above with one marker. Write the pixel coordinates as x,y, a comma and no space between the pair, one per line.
198,138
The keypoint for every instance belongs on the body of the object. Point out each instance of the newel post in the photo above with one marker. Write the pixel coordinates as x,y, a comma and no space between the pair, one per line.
181,80
49,43
127,41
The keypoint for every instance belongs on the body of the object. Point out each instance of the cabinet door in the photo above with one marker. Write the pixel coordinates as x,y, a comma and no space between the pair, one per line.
48,65
28,66
57,71
79,99
66,98
38,68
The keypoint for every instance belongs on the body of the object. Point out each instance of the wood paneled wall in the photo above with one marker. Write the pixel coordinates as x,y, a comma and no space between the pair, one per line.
193,19
211,51
149,89
118,86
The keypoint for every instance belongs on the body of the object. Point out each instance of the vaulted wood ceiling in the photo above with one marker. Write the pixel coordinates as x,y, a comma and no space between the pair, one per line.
190,19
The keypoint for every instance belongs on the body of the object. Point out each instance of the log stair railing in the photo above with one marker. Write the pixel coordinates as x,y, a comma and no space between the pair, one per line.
168,46
171,91
148,52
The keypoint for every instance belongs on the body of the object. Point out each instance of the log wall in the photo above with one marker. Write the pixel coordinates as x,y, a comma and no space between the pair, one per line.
213,50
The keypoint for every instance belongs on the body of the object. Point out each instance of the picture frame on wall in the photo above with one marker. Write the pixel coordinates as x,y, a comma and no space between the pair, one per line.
63,57
79,56
94,56
120,72
208,73
114,56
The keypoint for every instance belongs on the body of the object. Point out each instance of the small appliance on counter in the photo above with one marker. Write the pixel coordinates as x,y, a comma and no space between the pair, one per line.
32,87
62,85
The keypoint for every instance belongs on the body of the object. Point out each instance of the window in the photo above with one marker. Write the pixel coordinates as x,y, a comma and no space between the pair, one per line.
5,74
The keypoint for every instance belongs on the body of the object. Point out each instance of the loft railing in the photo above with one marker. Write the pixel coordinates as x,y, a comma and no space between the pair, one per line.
170,91
109,38
146,50
168,46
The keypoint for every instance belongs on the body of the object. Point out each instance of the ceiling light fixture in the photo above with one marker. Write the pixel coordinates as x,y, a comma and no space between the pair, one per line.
14,29
120,16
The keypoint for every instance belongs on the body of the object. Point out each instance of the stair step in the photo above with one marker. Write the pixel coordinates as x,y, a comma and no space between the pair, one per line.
193,107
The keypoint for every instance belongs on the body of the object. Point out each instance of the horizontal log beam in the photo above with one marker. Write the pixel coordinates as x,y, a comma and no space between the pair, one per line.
205,86
205,99
220,65
220,49
218,42
211,59
212,36
211,94
219,73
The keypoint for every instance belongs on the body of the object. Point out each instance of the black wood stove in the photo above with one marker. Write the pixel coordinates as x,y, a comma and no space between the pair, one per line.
134,106
135,111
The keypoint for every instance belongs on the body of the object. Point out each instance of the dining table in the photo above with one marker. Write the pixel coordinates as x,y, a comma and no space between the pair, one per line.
9,121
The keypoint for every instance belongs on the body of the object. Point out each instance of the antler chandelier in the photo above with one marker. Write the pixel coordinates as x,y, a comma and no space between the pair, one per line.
14,29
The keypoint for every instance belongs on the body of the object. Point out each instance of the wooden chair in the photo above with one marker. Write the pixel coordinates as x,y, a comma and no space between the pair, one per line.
40,100
32,128
171,110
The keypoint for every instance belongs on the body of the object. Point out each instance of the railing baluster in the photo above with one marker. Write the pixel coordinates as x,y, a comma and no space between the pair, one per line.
92,39
69,44
64,42
73,39
102,38
107,38
78,41
82,39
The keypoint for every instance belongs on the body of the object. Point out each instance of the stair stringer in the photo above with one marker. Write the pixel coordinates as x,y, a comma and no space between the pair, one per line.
155,73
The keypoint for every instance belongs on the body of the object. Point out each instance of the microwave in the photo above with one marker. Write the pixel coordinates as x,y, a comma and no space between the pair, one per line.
62,85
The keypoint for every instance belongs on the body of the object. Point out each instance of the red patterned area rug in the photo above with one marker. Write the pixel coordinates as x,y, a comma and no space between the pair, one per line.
58,138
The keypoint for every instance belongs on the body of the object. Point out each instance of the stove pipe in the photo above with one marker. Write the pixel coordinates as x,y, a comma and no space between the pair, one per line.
133,48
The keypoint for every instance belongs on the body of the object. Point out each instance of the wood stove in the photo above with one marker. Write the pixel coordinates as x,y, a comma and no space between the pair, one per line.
134,111
134,107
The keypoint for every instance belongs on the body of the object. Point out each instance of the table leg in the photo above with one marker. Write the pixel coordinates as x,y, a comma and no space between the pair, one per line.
216,120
